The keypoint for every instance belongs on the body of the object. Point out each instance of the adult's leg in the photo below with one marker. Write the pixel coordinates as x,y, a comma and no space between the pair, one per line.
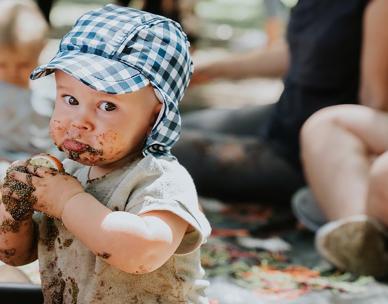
377,202
338,145
236,168
224,153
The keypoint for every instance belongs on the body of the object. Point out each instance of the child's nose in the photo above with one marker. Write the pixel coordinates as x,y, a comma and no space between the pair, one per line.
82,123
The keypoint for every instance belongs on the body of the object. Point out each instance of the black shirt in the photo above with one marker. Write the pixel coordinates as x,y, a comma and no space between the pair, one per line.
324,38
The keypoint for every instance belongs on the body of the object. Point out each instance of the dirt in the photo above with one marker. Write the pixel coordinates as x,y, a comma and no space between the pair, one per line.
74,290
7,254
104,255
10,225
55,288
58,284
76,155
51,234
93,151
67,242
21,208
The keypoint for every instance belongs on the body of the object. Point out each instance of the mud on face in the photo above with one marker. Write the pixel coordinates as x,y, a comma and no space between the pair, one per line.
96,155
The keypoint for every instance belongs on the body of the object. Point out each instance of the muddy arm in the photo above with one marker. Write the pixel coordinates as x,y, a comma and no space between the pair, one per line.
17,239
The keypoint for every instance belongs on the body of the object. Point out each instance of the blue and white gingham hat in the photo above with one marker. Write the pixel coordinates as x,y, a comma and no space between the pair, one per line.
121,50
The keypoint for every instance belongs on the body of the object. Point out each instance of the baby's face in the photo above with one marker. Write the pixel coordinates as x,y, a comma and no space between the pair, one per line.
16,65
95,128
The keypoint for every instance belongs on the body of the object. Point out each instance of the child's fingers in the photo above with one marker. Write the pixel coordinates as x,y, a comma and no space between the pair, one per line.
18,192
21,177
17,163
5,191
41,171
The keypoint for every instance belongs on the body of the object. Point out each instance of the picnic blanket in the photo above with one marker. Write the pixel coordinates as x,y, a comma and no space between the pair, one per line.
260,254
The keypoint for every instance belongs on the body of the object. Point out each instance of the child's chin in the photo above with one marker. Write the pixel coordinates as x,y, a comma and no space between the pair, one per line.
85,158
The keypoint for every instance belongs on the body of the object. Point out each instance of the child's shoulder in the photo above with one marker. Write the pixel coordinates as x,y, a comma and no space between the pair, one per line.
163,165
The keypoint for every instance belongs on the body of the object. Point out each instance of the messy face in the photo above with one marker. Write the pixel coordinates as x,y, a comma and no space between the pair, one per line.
16,65
96,128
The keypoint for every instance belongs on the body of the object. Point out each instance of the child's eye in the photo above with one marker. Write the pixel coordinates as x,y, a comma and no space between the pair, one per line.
107,106
70,100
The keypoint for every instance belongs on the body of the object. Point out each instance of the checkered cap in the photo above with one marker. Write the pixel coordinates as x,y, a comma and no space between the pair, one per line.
121,50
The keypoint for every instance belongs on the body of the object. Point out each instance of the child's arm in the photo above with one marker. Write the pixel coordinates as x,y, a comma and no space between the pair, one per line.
135,244
17,239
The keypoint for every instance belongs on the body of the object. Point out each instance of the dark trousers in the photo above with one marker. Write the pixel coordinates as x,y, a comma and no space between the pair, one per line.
228,159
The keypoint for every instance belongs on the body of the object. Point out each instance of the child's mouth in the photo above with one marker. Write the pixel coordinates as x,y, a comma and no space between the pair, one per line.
76,146
75,149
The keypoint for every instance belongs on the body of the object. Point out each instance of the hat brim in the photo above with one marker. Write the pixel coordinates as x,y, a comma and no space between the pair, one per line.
99,73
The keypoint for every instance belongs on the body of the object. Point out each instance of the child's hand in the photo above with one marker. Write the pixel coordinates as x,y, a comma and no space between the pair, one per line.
20,209
51,189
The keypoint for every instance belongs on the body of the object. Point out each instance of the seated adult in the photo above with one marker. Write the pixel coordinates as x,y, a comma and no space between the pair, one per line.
253,153
345,156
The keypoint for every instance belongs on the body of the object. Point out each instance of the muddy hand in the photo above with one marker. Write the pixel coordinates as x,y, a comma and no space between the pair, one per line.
17,196
51,189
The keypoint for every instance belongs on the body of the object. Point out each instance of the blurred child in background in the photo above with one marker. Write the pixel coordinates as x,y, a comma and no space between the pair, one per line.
23,34
23,131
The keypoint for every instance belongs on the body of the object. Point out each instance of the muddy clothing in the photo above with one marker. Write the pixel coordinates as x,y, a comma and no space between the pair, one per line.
71,273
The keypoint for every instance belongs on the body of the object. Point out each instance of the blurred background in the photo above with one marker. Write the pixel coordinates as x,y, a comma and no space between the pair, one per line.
217,28
259,253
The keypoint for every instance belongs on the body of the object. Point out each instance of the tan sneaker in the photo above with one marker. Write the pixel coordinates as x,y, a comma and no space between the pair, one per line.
355,244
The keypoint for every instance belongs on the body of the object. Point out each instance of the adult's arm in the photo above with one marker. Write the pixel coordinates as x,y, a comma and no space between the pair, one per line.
374,61
267,62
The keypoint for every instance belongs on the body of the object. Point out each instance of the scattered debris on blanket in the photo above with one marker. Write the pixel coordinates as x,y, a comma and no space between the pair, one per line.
248,250
270,275
273,244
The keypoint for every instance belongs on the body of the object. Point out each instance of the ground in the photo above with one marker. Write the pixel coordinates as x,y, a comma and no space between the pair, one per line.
260,254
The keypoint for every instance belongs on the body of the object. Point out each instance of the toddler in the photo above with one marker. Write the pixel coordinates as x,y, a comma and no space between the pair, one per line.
123,224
